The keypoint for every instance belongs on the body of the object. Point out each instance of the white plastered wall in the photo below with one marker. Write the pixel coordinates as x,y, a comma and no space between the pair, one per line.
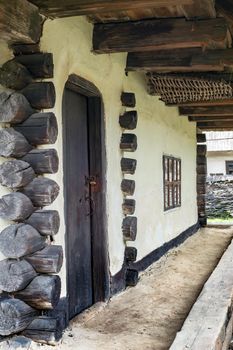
216,162
160,131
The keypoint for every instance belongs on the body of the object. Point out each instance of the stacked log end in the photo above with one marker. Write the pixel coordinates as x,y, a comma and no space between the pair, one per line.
201,178
128,121
28,274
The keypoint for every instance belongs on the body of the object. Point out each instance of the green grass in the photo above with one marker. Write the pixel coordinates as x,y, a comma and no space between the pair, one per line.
220,220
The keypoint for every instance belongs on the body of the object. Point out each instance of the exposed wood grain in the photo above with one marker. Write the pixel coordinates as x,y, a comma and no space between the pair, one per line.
131,278
180,60
49,260
128,206
130,254
207,111
160,34
201,138
15,315
219,118
39,128
15,206
202,169
40,65
128,187
128,142
88,7
47,222
42,293
128,165
13,144
215,126
19,240
20,22
15,275
14,107
201,179
129,120
16,174
42,191
41,95
128,99
44,330
201,160
14,75
43,160
129,228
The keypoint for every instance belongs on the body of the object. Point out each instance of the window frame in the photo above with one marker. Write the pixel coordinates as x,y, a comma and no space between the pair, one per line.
171,182
228,163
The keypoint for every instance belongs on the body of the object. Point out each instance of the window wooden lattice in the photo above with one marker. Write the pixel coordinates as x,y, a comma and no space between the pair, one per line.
172,182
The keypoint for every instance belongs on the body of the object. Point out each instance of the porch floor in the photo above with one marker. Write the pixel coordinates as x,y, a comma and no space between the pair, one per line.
149,315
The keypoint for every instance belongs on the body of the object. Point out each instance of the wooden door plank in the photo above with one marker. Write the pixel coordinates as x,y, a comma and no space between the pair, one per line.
159,34
208,320
93,7
180,60
207,111
20,22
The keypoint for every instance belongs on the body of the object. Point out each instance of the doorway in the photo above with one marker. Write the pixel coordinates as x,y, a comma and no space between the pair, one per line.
84,195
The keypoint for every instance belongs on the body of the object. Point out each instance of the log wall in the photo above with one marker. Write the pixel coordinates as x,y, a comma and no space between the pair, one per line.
28,272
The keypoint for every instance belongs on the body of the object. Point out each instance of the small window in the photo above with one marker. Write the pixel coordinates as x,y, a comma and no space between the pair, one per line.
229,167
172,182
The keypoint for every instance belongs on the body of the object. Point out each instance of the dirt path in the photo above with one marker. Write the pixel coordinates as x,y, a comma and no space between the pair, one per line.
149,315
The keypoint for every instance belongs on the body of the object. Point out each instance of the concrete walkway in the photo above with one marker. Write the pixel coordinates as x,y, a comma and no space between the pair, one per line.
149,315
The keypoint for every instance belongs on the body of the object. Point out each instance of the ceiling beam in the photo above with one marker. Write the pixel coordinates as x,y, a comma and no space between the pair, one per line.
20,22
225,101
159,34
66,8
180,60
215,126
210,119
206,111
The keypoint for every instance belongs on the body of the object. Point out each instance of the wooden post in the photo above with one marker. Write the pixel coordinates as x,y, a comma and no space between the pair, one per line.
201,138
43,160
41,95
42,293
128,142
128,187
128,165
40,65
130,254
16,174
43,329
42,191
129,228
14,75
48,260
15,315
15,275
128,99
19,240
39,128
47,222
128,206
13,144
15,206
14,107
129,120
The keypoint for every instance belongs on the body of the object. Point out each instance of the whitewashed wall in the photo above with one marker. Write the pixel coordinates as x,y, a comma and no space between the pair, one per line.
216,162
160,131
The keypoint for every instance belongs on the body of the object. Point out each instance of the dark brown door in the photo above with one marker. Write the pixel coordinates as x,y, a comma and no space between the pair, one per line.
77,202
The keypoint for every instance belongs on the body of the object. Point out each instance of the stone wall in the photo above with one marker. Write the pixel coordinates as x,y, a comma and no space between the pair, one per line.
219,199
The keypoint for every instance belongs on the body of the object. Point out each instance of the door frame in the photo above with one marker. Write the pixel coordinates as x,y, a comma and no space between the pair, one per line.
97,163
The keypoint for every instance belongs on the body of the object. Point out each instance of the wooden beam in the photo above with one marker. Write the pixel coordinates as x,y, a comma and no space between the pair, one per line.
215,126
180,60
159,34
207,111
67,8
226,101
210,119
20,22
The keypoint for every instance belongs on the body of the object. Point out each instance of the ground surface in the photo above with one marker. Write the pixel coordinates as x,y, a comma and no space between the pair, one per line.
149,315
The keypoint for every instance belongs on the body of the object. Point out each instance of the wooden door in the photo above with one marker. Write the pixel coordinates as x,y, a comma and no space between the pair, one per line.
77,202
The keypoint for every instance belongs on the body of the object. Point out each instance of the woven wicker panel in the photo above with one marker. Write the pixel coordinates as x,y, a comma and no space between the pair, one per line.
175,89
